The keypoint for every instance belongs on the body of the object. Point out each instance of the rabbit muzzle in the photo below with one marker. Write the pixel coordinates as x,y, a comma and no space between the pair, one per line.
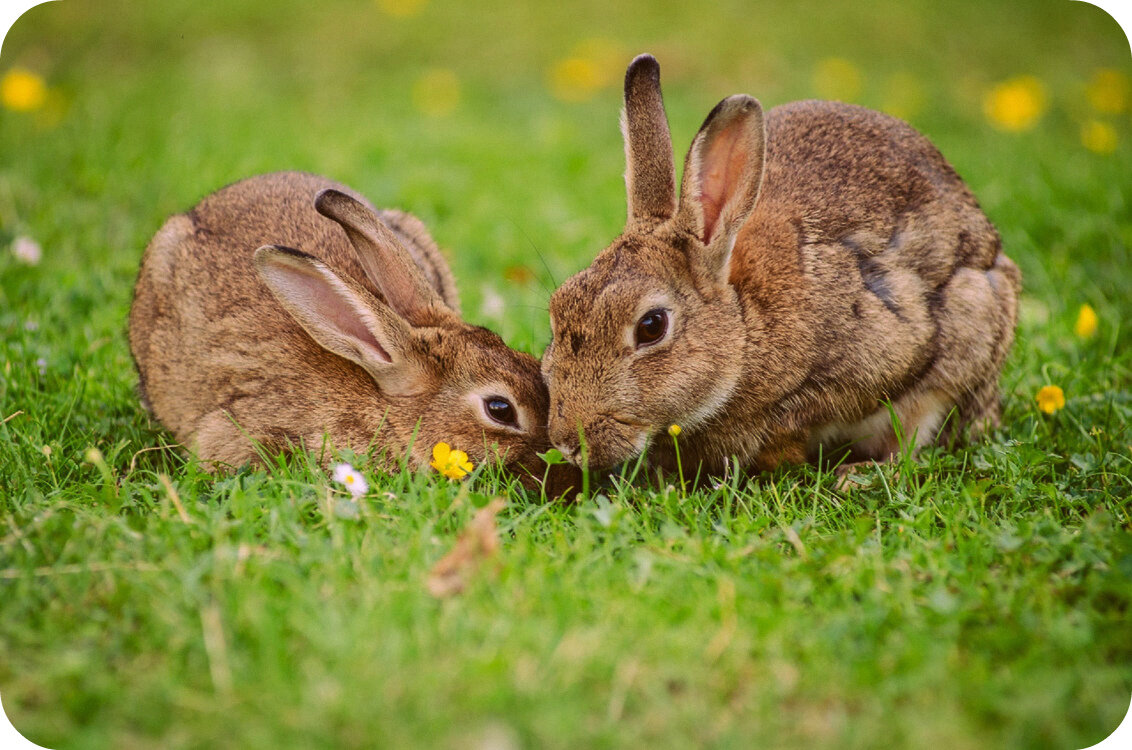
596,440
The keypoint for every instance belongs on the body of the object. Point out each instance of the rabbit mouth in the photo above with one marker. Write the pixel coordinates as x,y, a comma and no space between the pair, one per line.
608,443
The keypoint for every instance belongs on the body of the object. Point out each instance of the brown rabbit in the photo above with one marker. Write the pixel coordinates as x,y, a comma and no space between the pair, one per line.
356,335
812,270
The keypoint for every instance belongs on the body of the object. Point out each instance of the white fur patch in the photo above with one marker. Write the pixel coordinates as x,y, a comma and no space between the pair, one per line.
921,414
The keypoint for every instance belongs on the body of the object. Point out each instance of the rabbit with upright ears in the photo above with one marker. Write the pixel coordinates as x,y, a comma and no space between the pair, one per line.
821,265
283,310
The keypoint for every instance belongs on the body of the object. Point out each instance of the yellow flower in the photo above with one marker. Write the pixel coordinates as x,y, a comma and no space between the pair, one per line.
436,92
574,79
589,67
674,430
837,78
1015,105
450,463
1086,326
1099,137
22,91
402,8
1050,398
1108,91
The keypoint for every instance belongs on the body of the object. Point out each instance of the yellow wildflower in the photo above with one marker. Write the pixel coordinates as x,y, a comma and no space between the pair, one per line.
402,8
1108,91
1099,137
674,430
22,91
1086,326
574,79
591,65
1050,399
1015,105
436,92
837,78
453,464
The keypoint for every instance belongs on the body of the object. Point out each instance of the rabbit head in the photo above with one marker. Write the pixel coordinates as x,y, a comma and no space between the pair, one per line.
353,341
651,333
459,383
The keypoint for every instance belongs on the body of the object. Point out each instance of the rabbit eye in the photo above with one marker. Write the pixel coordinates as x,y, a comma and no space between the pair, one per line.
501,410
651,327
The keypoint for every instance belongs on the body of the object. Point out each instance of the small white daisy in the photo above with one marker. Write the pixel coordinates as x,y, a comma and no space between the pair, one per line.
493,304
352,478
27,250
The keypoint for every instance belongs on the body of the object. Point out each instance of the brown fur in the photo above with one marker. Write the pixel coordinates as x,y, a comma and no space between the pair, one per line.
862,271
224,366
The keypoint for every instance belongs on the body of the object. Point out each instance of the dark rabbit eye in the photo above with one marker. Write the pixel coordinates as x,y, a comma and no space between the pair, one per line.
501,410
651,327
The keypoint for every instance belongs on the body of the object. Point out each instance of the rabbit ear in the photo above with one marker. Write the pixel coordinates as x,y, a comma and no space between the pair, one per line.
340,315
722,175
386,261
650,173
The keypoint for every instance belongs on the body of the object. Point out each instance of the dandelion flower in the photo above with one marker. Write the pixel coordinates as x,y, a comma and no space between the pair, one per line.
674,430
453,464
837,78
93,456
592,65
46,450
1099,137
574,79
402,8
1108,91
1050,399
1015,105
436,92
22,91
347,475
1086,325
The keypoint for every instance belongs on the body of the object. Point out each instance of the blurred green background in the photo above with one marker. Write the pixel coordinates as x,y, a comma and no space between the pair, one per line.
496,123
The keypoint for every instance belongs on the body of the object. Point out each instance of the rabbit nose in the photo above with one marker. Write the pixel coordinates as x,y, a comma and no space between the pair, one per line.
566,441
571,452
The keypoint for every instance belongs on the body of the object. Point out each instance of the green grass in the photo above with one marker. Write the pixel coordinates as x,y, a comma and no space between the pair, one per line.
972,598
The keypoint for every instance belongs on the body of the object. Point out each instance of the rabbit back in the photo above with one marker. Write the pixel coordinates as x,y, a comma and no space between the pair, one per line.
218,359
883,277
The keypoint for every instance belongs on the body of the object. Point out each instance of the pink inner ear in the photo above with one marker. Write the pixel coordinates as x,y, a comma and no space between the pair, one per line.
350,323
325,302
721,169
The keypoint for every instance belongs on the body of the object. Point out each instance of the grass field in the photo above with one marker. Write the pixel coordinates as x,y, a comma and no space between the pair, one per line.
970,598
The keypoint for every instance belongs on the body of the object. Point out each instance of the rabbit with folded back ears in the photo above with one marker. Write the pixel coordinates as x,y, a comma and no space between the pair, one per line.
284,308
819,265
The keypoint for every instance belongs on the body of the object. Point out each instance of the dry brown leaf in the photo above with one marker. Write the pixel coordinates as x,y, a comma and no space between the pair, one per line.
477,543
